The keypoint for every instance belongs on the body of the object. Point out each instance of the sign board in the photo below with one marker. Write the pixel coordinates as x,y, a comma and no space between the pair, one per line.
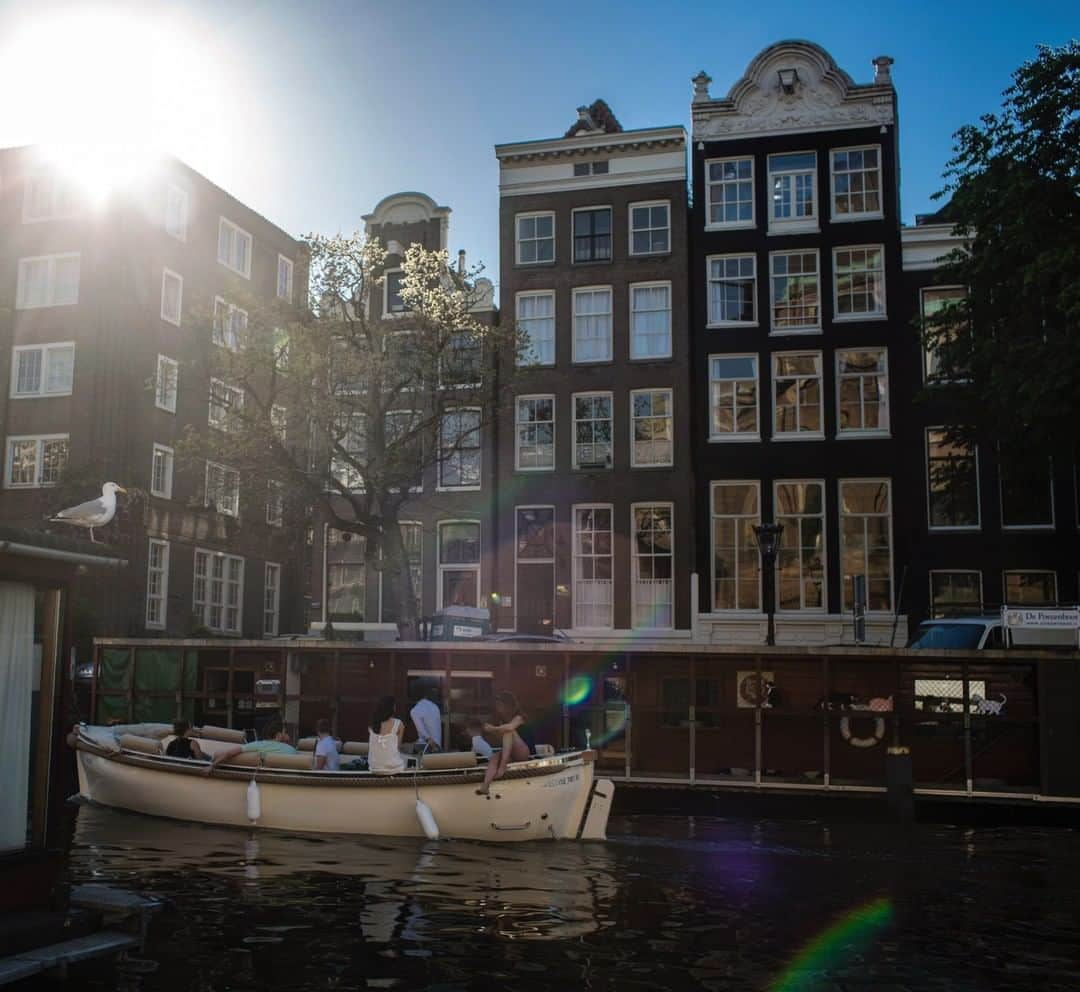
462,631
1038,619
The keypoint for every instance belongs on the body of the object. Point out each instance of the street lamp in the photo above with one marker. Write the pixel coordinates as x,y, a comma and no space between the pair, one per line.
768,542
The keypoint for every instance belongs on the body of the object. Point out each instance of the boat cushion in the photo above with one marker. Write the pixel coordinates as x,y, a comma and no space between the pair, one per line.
448,759
222,734
354,747
306,744
130,742
297,761
246,759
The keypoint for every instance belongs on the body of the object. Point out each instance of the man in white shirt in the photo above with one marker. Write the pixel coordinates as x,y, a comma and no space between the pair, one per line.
326,752
428,720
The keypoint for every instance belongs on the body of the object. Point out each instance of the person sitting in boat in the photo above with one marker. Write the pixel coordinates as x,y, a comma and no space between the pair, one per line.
275,740
384,740
427,718
475,729
518,742
326,752
182,746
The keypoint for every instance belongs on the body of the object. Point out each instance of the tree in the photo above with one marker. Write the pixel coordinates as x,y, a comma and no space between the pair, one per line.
334,411
1012,345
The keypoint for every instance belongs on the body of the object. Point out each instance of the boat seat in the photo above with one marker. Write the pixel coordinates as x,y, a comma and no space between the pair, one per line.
246,759
221,734
308,744
293,761
144,745
354,747
448,759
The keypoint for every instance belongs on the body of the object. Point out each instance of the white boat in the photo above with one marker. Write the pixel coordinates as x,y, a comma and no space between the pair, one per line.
554,796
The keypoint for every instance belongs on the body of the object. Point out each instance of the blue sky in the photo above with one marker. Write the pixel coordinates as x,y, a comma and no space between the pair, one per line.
312,112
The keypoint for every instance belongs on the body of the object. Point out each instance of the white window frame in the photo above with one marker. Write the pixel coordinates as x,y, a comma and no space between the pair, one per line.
236,234
271,598
1027,527
652,416
518,423
946,528
929,378
534,214
202,607
46,361
952,571
536,294
592,394
162,596
884,419
653,284
800,328
786,225
231,510
710,224
630,224
839,218
285,265
39,459
824,518
21,287
798,434
845,318
166,275
1005,573
711,318
574,294
736,436
174,194
634,556
479,448
458,566
387,312
232,398
229,336
58,183
165,398
591,209
739,550
578,557
845,588
275,500
168,455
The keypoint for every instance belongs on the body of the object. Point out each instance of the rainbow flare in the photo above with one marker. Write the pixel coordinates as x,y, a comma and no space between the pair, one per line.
822,952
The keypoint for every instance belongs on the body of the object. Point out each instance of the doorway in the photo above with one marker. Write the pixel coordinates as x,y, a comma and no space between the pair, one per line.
534,555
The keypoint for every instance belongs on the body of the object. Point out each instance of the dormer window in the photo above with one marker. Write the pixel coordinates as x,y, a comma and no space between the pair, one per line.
591,168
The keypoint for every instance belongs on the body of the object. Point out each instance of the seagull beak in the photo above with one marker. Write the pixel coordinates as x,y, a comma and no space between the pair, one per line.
121,489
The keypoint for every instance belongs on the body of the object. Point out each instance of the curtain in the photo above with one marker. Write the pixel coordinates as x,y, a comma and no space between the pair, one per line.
16,678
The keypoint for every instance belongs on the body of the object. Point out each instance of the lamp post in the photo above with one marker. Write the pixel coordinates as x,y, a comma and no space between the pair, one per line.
768,542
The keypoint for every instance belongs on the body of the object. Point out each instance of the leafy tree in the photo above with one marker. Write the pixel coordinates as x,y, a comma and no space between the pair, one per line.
344,411
1012,346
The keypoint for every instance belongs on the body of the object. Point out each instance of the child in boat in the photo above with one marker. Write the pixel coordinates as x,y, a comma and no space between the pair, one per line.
182,746
326,752
384,740
517,737
275,740
475,729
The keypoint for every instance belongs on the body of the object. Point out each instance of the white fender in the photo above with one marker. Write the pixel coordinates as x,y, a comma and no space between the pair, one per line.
254,803
427,820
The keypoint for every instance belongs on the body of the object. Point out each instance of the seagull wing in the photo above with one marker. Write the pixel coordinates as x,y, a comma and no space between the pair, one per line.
90,510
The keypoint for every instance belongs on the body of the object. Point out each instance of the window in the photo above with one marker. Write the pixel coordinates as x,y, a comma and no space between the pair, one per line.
736,510
650,320
172,294
591,168
230,322
593,572
729,192
48,281
592,431
275,503
461,362
733,290
284,278
234,248
33,462
405,447
592,234
346,596
218,594
535,433
733,392
42,370
225,401
932,301
800,559
176,213
535,527
48,195
349,446
796,303
592,324
392,301
862,391
222,489
797,395
859,282
271,598
161,472
165,383
650,228
856,183
535,238
793,187
459,563
652,566
1027,495
952,482
536,321
157,583
1029,588
866,540
955,592
651,429
459,458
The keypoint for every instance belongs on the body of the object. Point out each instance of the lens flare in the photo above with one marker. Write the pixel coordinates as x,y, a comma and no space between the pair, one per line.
577,690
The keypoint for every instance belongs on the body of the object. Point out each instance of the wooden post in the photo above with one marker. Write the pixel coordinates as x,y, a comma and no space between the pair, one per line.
967,728
92,716
131,685
757,726
335,691
50,662
178,713
628,733
693,716
229,691
826,767
566,742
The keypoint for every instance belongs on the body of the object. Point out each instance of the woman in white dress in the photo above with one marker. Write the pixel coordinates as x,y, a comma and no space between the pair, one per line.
384,751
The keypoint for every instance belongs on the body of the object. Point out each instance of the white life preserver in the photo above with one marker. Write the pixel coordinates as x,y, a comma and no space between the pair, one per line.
879,733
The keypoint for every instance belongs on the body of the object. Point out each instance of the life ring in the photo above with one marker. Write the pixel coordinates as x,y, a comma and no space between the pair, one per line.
879,733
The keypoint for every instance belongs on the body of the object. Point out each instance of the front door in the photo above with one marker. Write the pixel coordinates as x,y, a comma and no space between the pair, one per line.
535,554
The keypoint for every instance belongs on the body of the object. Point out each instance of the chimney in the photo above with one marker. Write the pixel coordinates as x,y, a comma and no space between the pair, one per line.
461,261
881,64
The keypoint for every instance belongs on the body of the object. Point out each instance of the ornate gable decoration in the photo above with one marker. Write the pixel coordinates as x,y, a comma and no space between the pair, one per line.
793,86
597,118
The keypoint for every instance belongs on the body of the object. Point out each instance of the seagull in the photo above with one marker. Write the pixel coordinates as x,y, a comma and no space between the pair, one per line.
93,513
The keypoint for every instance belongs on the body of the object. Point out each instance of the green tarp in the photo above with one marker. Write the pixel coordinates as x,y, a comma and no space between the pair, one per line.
156,670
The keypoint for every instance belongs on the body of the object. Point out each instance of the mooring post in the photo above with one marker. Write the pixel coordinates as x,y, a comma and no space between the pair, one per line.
900,783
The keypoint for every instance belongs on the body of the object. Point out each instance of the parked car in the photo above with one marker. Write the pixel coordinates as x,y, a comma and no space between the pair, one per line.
964,633
556,638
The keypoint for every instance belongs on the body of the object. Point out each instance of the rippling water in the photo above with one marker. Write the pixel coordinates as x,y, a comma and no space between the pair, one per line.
667,903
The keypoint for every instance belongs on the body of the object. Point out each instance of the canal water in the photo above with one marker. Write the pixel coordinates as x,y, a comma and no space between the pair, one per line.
669,902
